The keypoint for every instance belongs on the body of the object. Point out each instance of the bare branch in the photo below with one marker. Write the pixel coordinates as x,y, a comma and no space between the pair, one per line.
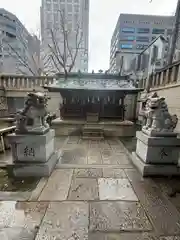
20,59
64,54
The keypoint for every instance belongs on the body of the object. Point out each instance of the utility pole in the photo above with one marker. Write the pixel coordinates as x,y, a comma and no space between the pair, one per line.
176,31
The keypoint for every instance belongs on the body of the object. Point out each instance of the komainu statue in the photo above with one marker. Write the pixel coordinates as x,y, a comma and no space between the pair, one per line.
33,118
158,118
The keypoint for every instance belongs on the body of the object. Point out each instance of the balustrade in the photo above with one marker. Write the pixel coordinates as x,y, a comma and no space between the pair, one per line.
166,76
24,82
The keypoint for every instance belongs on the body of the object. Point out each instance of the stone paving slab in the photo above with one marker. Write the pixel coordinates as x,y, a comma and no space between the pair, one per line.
15,196
167,186
117,217
94,160
83,189
18,233
170,238
88,173
78,166
94,144
163,214
116,189
80,160
106,153
117,160
37,191
123,236
22,214
117,150
60,142
67,156
113,173
73,140
65,221
94,152
113,142
57,186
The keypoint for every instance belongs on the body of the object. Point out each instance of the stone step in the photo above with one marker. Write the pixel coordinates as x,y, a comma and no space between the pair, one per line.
92,134
92,131
92,138
93,127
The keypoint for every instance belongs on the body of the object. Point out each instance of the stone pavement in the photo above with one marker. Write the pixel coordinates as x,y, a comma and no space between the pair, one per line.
94,194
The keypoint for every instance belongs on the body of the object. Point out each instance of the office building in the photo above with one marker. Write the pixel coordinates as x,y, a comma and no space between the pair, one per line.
18,47
74,12
133,33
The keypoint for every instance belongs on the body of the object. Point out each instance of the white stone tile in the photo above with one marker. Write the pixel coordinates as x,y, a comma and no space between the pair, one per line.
116,189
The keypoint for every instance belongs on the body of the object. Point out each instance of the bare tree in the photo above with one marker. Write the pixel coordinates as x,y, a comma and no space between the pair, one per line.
34,60
29,60
63,48
65,44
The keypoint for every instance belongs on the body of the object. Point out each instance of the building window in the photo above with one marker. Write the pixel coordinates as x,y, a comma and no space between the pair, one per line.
10,26
143,22
128,30
143,30
69,8
158,31
141,46
10,35
142,39
126,46
127,38
76,8
128,21
48,6
55,6
62,6
55,17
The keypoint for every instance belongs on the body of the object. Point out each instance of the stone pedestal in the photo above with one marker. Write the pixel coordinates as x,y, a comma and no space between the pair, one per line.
157,156
33,155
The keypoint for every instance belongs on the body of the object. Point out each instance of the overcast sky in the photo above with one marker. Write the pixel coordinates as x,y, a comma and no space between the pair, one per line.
103,18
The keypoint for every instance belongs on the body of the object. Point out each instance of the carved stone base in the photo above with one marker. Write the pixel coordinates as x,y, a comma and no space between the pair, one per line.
34,131
150,170
36,169
157,150
31,148
33,155
153,133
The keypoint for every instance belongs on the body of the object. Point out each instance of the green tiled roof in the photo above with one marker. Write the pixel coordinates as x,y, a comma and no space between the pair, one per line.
92,84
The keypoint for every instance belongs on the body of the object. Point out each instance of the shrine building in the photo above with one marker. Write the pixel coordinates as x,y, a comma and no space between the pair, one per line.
97,99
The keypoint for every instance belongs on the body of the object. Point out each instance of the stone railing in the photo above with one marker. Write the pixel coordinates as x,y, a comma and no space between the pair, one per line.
166,76
23,82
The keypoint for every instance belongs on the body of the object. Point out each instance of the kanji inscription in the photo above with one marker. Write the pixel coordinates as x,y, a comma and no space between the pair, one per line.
29,152
163,153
